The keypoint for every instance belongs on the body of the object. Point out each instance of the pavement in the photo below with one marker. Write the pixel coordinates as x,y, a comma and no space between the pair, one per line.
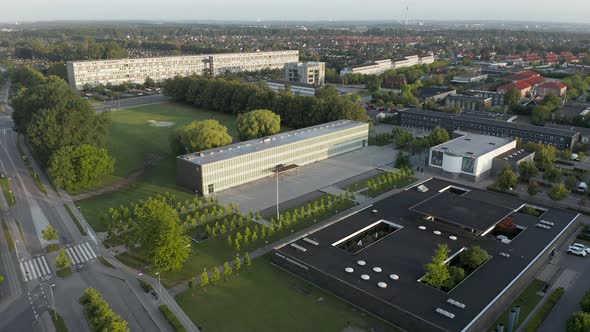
115,105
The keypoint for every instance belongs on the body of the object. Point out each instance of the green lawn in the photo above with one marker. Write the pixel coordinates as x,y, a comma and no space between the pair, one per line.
267,299
6,189
527,301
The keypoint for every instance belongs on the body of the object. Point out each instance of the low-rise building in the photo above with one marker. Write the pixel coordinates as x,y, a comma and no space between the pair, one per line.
469,78
497,98
299,89
513,158
426,94
380,66
555,88
569,112
468,102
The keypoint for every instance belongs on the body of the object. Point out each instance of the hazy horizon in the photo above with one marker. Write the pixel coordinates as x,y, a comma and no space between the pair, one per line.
304,10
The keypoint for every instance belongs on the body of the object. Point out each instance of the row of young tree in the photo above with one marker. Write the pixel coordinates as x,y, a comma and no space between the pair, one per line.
235,97
100,315
215,276
389,180
66,135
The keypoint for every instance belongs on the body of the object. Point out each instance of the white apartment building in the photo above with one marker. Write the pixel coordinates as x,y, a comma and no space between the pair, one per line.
313,73
118,71
380,66
213,170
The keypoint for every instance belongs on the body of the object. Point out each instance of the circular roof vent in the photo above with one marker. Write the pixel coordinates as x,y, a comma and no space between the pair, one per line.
349,269
377,269
361,263
453,237
365,277
422,228
382,284
437,232
394,277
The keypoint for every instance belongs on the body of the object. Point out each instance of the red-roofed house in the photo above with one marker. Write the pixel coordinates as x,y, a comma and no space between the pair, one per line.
532,58
521,86
534,80
513,58
556,88
523,75
582,55
551,58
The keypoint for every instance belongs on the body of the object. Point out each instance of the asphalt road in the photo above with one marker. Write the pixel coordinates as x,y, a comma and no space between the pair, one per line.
116,105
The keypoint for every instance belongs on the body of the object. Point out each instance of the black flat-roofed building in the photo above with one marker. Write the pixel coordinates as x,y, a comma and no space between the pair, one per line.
374,258
422,119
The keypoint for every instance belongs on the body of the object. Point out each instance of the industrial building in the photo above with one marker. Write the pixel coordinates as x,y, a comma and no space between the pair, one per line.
213,170
428,120
374,258
380,66
94,72
311,72
468,156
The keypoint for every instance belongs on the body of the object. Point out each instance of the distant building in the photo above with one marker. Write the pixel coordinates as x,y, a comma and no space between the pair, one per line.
435,94
513,158
299,89
380,66
569,112
523,87
119,71
469,78
468,103
584,132
468,156
555,88
497,98
214,170
523,75
376,115
313,73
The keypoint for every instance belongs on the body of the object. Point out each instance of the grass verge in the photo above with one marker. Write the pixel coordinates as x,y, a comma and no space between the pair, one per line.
58,321
76,221
30,167
281,295
8,236
65,272
172,319
527,301
544,311
7,193
105,262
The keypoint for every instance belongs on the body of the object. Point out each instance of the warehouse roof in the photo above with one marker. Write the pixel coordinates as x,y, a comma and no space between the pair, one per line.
269,142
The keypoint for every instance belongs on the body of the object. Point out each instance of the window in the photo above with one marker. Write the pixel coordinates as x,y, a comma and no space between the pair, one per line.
210,189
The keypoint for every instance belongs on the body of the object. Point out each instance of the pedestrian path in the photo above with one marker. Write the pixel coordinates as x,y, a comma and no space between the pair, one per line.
34,268
80,253
41,223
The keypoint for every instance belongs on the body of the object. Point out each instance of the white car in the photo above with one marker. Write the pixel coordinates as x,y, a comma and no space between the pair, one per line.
581,247
576,251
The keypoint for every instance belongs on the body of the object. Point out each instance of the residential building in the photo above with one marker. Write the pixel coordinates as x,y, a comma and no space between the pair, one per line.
555,88
119,71
468,156
469,78
300,89
380,66
523,87
428,120
313,73
523,75
571,111
468,102
497,98
214,170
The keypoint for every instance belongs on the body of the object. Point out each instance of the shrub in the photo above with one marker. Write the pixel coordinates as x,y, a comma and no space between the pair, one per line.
147,287
585,302
473,257
172,319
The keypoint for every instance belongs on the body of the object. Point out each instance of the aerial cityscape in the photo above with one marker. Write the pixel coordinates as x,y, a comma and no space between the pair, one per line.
319,166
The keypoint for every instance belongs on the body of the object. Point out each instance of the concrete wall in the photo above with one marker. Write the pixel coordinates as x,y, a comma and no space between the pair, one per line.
188,176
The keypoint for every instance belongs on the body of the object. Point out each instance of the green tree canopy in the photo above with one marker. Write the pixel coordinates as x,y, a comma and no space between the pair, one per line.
63,260
558,192
99,313
258,123
473,257
439,136
578,322
49,233
507,178
527,170
512,97
78,167
437,272
199,136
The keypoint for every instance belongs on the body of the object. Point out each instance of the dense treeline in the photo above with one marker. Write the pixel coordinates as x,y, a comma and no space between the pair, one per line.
235,98
64,51
99,314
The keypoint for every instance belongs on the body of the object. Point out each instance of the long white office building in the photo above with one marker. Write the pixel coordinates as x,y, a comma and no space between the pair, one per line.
213,170
118,71
380,66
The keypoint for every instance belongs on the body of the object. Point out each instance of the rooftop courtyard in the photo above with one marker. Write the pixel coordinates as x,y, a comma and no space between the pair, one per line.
375,258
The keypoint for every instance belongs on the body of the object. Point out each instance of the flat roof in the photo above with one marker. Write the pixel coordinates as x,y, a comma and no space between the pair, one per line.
473,145
299,84
514,154
509,125
269,142
407,250
489,115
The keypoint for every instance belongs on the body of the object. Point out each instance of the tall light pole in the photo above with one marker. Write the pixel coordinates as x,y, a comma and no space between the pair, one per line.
53,300
277,172
159,283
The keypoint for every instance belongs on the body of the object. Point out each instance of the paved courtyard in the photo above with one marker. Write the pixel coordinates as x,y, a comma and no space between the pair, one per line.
261,194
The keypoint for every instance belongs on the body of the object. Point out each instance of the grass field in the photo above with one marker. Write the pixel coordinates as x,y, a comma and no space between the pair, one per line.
133,140
6,189
265,298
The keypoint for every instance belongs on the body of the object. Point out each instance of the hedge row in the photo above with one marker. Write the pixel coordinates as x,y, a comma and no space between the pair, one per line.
172,319
540,316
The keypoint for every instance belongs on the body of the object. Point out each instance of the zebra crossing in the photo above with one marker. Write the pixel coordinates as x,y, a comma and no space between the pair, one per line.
80,253
34,268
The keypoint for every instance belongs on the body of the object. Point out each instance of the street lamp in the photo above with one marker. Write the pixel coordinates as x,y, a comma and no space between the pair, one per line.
53,300
159,283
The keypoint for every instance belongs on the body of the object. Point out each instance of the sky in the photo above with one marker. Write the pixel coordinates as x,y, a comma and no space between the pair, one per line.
252,10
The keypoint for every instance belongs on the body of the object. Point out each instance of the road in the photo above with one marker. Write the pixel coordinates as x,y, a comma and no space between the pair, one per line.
116,105
30,272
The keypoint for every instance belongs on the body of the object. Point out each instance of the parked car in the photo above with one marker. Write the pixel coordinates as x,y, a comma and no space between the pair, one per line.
576,251
581,247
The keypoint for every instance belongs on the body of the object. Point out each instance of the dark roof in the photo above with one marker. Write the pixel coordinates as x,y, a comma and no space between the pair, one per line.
570,111
514,155
489,115
303,85
431,92
509,125
405,252
584,131
462,210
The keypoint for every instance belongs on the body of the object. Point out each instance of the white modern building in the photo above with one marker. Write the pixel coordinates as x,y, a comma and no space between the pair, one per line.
469,156
380,66
310,72
213,170
118,71
298,89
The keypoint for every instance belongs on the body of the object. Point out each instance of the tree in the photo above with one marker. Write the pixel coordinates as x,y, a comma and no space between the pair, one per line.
457,275
403,161
439,136
82,166
99,313
527,170
199,136
227,270
149,83
374,83
258,123
533,187
437,272
551,174
558,192
204,282
49,233
473,257
546,154
571,182
63,260
402,137
161,235
507,226
578,322
507,178
512,97
215,276
247,260
237,264
585,302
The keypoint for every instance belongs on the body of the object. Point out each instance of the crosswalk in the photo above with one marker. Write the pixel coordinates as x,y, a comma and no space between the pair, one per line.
80,253
34,268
